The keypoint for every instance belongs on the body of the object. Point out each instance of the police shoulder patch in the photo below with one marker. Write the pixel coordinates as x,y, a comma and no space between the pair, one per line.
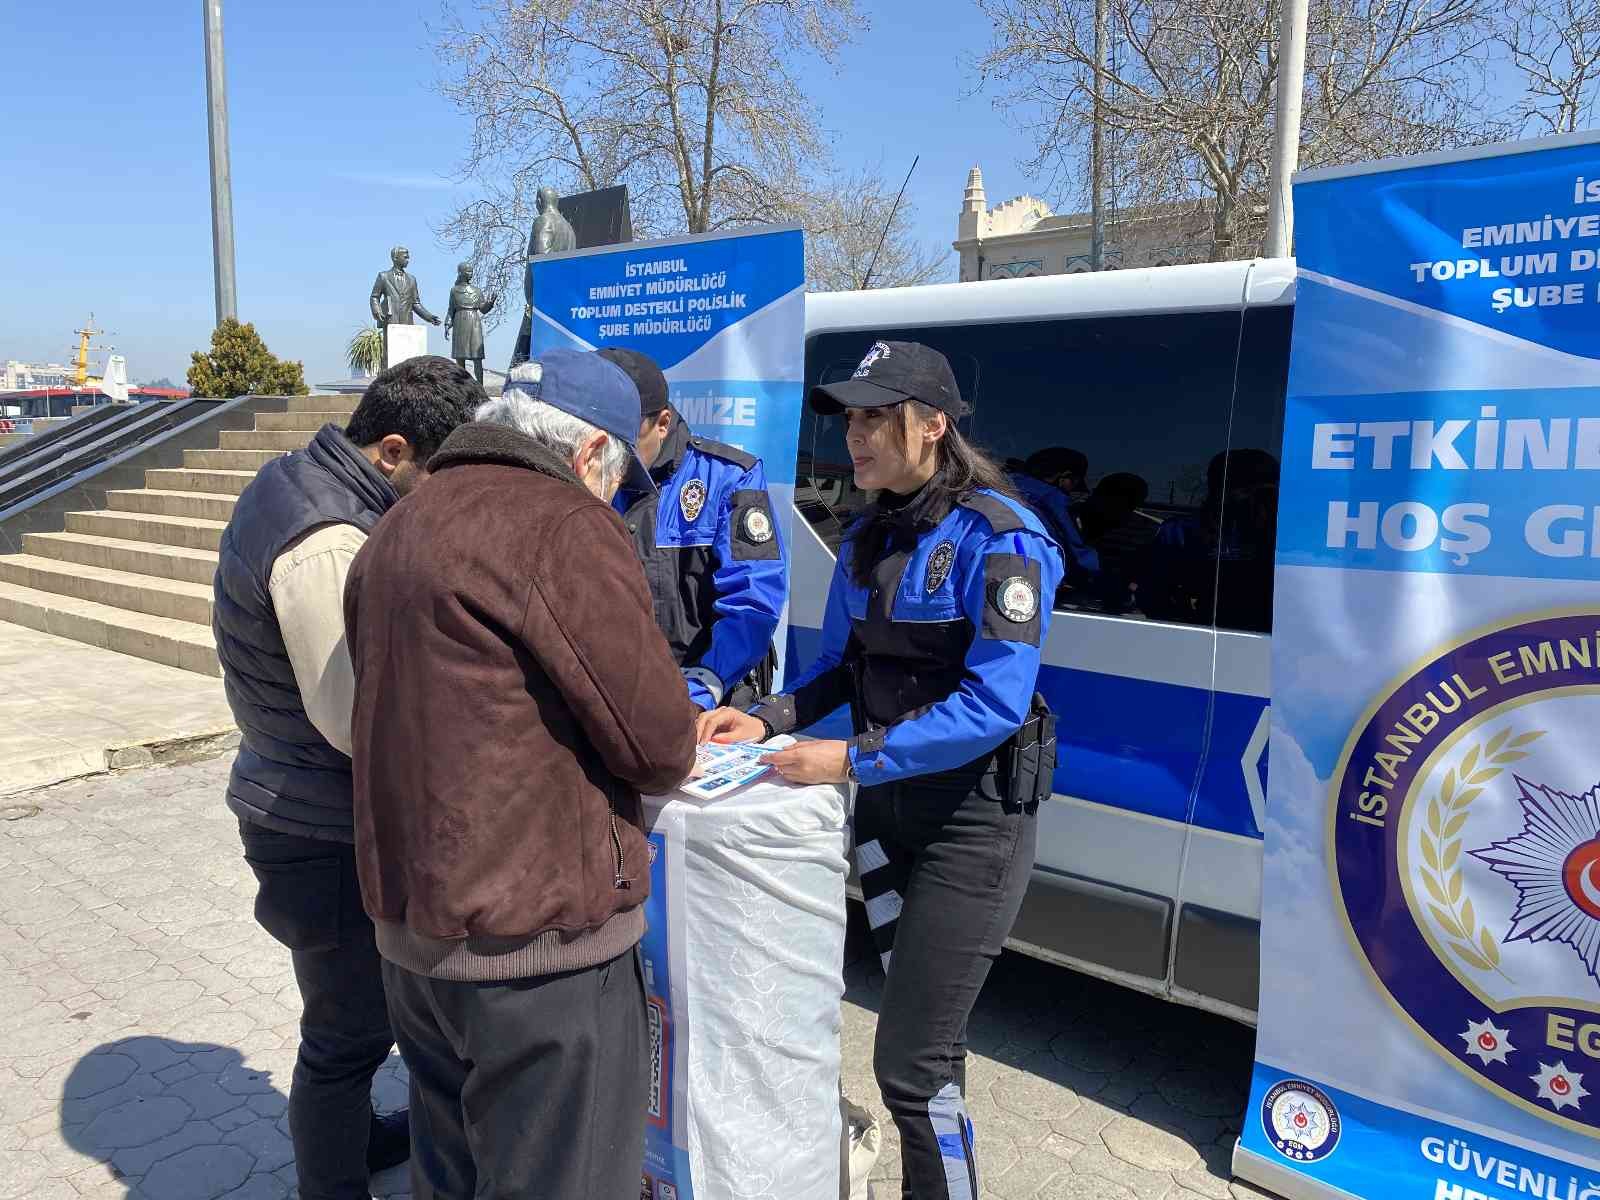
939,564
757,525
1011,610
692,498
752,530
1014,598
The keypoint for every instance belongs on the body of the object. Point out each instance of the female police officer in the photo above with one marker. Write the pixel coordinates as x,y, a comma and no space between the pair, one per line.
934,621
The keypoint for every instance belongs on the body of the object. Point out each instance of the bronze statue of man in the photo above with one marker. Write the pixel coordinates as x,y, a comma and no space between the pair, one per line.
552,232
395,296
465,314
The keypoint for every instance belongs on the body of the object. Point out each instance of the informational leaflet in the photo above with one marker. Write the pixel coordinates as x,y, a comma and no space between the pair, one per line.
720,770
1430,943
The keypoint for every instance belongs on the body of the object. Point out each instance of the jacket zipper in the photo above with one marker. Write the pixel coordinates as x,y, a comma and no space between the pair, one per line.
619,881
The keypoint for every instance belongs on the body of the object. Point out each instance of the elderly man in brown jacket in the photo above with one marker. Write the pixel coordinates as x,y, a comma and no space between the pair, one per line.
513,697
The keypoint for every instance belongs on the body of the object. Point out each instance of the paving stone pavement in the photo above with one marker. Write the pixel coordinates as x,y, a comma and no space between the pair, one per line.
148,1030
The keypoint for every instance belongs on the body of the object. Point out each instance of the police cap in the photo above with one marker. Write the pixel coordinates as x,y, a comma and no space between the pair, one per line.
893,372
646,376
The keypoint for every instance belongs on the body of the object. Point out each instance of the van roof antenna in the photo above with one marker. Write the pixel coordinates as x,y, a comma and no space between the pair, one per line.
882,237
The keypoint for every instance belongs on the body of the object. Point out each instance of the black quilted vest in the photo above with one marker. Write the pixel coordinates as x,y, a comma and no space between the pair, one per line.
286,776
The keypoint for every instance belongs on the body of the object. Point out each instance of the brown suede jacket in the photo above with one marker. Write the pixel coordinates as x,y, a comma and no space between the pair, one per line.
513,697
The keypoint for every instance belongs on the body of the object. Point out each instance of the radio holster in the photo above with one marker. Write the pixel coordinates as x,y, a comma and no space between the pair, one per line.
1029,758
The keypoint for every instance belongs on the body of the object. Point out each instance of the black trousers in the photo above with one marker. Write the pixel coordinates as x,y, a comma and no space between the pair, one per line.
944,862
533,1088
308,897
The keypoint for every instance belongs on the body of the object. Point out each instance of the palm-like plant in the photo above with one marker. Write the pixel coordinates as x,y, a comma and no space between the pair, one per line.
365,351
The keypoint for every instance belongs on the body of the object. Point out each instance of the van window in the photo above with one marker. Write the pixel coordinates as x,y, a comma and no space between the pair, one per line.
1250,504
1123,420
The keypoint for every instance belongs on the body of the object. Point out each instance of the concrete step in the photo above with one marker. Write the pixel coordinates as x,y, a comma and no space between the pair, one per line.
265,439
205,505
323,404
119,554
310,422
229,460
181,644
190,532
184,479
116,589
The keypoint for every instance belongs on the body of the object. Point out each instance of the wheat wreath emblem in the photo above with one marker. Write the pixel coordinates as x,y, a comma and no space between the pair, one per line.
1441,875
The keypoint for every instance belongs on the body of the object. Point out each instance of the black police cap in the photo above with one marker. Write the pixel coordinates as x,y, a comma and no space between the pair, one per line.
891,373
646,376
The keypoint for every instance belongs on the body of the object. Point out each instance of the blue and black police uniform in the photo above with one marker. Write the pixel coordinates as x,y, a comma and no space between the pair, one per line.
712,553
937,655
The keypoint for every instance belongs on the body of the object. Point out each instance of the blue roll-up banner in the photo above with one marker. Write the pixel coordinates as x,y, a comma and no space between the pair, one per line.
722,314
1430,942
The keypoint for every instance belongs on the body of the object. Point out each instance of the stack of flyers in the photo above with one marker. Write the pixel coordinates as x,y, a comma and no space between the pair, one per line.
720,770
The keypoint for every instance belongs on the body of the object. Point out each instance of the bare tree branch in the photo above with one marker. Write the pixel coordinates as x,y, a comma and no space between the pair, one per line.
1188,93
1555,45
696,105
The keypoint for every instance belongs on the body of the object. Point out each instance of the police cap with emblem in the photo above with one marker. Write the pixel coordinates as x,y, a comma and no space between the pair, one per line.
593,389
646,376
891,373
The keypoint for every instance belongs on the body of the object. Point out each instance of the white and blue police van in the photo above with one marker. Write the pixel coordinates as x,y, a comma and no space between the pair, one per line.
1170,383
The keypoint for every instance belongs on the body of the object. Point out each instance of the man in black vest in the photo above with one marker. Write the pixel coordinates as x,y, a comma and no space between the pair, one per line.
279,624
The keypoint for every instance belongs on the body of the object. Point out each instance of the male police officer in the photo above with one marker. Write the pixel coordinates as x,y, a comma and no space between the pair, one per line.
710,546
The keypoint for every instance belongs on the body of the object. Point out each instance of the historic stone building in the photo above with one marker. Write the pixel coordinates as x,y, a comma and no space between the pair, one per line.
1022,237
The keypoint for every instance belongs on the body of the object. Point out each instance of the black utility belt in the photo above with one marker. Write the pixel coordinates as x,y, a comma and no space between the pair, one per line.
1028,759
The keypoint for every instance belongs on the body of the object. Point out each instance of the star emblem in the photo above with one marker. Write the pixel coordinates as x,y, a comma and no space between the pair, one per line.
1554,864
1301,1123
1487,1042
1559,1087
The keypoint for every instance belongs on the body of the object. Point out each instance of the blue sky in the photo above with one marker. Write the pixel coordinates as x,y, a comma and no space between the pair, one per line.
341,147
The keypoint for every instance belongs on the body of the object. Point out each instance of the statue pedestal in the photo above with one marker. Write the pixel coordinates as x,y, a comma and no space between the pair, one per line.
403,342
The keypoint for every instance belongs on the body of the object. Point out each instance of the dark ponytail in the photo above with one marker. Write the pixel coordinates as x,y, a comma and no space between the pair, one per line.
886,525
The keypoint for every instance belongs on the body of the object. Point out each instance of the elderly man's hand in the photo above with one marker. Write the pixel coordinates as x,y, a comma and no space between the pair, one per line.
812,762
728,725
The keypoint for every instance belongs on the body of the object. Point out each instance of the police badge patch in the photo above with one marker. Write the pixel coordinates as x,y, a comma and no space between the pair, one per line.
1015,599
692,499
757,526
939,564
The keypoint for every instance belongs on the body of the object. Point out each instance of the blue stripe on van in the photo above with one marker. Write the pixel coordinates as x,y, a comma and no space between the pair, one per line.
1129,743
1223,800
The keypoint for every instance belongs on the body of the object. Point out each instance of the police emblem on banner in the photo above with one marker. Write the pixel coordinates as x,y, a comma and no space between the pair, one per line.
1300,1120
939,564
757,526
692,499
1465,838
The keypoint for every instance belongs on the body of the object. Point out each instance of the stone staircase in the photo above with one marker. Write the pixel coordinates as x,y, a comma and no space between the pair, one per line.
135,577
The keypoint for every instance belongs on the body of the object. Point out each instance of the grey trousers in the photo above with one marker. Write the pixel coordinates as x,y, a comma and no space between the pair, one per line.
533,1088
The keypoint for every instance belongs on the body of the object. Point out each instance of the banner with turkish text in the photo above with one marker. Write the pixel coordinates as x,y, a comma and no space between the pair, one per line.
1430,983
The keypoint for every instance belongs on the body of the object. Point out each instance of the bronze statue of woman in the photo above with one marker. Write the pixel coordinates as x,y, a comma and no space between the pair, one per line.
465,314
